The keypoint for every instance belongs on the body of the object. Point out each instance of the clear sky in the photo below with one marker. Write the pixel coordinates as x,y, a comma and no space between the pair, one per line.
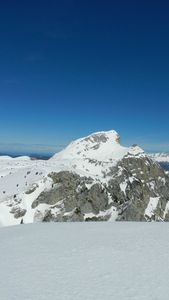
70,67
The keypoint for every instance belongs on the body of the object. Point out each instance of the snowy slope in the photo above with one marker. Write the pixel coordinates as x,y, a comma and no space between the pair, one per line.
18,177
18,174
84,261
100,145
92,155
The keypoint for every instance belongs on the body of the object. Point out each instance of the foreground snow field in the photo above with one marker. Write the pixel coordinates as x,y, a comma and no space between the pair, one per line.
69,261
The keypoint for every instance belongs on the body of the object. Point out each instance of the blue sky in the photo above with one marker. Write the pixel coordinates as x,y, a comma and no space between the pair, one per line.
69,68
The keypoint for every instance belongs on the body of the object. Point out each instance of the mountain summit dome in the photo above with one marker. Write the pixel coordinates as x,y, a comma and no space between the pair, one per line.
100,146
103,137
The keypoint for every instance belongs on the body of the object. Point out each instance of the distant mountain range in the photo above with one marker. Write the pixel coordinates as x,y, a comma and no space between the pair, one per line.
31,155
94,178
162,158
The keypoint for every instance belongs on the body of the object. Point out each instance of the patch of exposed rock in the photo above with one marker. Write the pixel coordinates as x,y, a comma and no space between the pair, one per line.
72,197
133,182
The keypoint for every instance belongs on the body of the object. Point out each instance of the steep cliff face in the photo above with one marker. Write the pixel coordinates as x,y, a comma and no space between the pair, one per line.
93,179
145,189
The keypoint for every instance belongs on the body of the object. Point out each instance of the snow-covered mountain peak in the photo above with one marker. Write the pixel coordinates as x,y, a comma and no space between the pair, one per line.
102,137
96,140
101,146
136,150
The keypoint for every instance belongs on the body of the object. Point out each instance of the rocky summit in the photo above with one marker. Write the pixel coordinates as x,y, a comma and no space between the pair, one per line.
94,179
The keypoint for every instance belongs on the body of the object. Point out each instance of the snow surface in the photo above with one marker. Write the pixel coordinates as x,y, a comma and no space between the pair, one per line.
72,261
152,205
123,186
101,146
93,154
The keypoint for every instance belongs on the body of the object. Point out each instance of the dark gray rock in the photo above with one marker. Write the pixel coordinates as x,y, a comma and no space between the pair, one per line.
70,199
18,212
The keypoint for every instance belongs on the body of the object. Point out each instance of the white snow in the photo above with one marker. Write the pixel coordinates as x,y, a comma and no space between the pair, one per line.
91,149
123,186
7,218
136,150
166,210
91,155
152,205
125,261
131,179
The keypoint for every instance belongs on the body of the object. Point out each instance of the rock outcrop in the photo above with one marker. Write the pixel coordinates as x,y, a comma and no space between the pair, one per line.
137,190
